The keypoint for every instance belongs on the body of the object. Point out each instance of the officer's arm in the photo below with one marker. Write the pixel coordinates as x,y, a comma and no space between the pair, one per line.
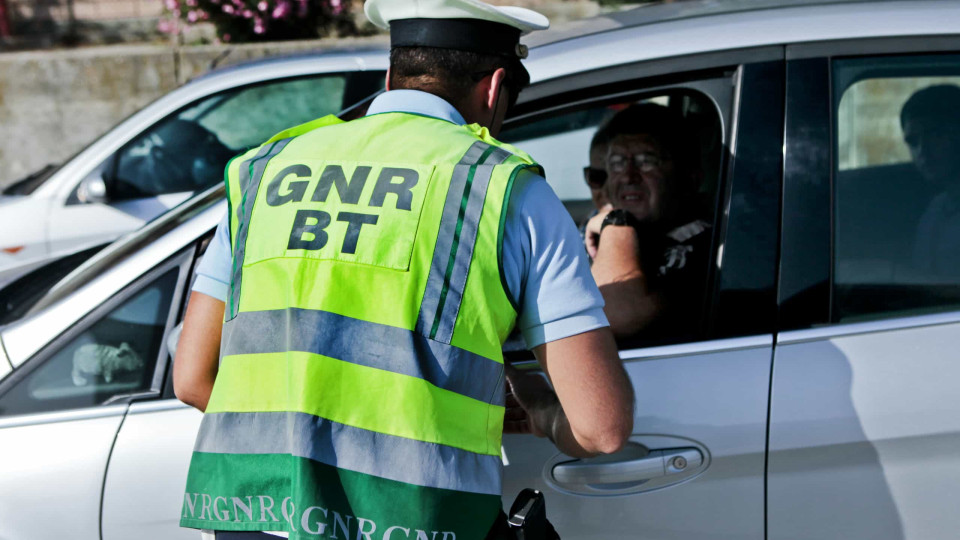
198,352
592,410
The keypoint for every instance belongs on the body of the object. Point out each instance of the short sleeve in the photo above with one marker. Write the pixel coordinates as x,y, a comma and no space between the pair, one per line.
546,267
213,272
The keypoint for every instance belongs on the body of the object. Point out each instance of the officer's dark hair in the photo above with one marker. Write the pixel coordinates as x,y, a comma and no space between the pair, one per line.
451,74
939,103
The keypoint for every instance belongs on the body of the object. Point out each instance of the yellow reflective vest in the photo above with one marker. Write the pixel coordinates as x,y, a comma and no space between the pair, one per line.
360,390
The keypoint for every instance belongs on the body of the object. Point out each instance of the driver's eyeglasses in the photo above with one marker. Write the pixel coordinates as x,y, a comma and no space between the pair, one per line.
618,163
595,178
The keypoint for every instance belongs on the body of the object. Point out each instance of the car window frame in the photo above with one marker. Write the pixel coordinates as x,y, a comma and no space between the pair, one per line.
636,79
199,248
809,125
755,152
182,261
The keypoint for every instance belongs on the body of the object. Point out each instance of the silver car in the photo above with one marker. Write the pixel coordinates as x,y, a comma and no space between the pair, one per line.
811,396
171,149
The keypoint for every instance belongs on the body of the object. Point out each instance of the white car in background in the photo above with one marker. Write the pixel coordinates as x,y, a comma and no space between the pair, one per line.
813,396
170,150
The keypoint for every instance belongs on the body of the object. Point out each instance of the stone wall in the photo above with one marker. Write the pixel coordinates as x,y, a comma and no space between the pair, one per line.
54,103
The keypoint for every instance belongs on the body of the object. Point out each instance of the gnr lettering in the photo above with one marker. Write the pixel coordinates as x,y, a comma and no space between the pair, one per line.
395,181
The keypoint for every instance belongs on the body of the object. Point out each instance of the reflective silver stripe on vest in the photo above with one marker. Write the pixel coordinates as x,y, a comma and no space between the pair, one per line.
448,226
346,447
457,280
367,344
251,172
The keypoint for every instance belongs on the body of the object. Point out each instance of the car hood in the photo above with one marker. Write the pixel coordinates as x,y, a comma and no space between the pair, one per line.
8,199
22,221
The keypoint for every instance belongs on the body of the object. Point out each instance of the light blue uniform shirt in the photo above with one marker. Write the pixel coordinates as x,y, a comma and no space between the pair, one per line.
544,263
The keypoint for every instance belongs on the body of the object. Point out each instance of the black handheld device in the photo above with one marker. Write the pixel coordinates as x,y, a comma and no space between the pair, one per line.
528,517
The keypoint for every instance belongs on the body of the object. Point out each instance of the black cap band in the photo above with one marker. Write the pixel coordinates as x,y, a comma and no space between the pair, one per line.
474,35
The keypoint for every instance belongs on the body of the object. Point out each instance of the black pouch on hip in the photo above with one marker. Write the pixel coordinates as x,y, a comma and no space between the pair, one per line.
528,517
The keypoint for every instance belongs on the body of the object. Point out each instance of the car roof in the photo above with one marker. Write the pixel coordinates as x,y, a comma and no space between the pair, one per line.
663,12
366,48
705,26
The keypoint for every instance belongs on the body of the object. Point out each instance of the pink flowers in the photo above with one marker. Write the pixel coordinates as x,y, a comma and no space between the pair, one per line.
246,20
167,26
283,9
197,15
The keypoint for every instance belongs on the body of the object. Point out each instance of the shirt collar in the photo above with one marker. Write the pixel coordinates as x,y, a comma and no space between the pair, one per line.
415,102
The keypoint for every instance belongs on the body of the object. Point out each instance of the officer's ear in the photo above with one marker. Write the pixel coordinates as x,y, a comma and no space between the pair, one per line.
493,88
387,84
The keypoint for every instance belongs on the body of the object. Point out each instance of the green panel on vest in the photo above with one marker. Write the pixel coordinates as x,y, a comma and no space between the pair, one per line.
220,496
357,396
357,212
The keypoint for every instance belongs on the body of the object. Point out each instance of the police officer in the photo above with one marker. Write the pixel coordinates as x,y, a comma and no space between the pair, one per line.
358,295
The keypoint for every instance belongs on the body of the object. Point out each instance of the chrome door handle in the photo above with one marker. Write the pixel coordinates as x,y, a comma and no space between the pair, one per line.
656,464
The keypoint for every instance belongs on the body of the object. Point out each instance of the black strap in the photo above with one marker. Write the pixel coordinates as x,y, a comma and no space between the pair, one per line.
484,37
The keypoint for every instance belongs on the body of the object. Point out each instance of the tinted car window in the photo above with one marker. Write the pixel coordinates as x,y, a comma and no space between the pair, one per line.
896,186
115,355
189,150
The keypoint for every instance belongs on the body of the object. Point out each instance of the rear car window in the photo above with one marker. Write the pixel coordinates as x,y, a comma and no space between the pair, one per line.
896,186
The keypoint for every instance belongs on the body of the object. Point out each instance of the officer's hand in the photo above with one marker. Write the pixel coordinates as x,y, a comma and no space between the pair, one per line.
591,237
515,419
537,401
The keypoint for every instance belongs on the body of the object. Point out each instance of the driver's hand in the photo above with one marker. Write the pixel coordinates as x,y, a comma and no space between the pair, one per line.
591,237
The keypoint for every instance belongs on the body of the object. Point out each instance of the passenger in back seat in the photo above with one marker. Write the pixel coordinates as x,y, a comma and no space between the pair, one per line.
931,126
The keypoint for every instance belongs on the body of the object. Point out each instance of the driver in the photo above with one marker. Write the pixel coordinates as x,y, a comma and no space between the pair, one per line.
649,246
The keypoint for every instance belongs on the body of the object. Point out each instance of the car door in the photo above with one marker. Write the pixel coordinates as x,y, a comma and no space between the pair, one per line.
60,411
694,467
864,421
145,480
187,151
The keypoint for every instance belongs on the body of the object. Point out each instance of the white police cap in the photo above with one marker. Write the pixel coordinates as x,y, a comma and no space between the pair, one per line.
468,25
